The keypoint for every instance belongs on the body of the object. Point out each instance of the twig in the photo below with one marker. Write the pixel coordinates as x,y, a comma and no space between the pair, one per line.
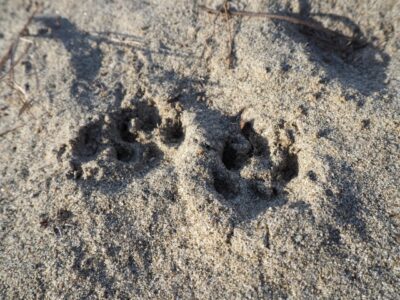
10,130
10,56
293,20
26,105
229,57
23,32
7,56
14,63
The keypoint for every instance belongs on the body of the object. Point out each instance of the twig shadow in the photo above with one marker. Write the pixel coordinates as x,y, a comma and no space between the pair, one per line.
85,51
356,63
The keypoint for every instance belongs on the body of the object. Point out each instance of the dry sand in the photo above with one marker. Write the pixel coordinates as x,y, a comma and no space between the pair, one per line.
147,168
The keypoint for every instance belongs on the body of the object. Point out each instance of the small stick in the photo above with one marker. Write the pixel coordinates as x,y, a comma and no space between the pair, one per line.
4,59
11,50
14,63
26,105
10,56
289,19
10,130
229,57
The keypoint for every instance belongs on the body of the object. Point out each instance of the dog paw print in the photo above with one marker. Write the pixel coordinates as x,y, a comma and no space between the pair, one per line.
123,143
251,174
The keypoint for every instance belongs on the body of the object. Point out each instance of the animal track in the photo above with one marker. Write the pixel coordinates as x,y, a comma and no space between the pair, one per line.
172,131
237,151
251,173
247,171
88,141
223,185
241,147
124,142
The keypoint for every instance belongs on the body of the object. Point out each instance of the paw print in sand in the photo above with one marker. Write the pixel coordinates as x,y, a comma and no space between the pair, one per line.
251,174
123,143
232,171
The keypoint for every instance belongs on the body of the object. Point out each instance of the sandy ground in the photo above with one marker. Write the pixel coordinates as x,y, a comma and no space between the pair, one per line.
150,166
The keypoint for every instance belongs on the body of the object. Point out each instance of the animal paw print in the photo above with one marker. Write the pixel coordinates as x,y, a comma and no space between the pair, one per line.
251,173
123,143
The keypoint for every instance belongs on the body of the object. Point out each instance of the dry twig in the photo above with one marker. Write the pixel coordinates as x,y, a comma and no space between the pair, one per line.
13,62
9,56
293,20
10,130
336,40
229,57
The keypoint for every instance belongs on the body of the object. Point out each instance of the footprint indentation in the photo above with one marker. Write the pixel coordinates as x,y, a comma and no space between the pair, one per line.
289,168
236,152
172,131
120,142
224,185
124,127
124,153
88,140
251,174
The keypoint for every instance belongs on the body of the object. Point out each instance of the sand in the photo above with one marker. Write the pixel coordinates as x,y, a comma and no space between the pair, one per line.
152,164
